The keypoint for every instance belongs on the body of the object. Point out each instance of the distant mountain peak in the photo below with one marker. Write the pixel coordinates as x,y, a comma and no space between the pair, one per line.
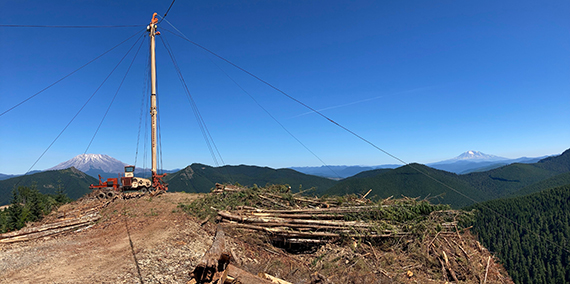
86,162
476,155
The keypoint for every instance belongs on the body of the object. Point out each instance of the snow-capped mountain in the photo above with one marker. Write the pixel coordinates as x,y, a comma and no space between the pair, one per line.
87,162
476,156
476,161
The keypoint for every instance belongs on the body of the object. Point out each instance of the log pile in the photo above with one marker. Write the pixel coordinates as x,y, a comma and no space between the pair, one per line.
289,218
277,199
68,217
318,225
309,226
215,267
347,237
50,229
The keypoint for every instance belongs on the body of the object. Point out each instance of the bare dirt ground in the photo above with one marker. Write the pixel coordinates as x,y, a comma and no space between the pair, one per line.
146,239
151,240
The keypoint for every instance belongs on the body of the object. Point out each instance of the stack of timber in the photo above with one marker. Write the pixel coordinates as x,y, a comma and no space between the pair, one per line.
294,219
322,225
34,232
68,217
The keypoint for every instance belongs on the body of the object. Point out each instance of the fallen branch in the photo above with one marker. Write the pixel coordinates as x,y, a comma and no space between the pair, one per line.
364,196
487,269
449,267
298,216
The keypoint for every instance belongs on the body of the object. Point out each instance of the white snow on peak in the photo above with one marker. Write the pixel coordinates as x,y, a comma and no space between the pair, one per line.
476,155
85,162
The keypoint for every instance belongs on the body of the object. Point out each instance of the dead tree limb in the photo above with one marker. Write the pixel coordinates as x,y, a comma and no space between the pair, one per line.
487,269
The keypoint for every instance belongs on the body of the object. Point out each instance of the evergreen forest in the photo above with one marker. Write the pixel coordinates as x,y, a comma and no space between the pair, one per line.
28,204
529,234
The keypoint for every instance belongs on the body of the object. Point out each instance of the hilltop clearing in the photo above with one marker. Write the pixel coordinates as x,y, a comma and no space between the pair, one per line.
152,240
163,240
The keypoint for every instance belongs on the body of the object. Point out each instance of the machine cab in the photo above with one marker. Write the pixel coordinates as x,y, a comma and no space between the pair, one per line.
129,171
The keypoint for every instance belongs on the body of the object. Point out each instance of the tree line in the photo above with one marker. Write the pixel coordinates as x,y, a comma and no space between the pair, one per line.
28,204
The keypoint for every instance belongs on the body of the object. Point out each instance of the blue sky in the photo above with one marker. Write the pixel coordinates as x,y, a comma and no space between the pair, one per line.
423,80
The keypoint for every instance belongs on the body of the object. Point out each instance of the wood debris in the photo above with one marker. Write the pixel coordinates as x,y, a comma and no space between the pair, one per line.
215,267
315,225
395,240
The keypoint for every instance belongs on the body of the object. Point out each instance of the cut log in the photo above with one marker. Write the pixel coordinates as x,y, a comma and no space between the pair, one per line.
212,265
27,237
325,210
46,227
308,226
244,219
296,234
241,276
298,216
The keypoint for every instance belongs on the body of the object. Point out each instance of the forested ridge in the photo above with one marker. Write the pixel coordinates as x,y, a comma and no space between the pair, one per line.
202,178
74,182
420,181
535,247
28,204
